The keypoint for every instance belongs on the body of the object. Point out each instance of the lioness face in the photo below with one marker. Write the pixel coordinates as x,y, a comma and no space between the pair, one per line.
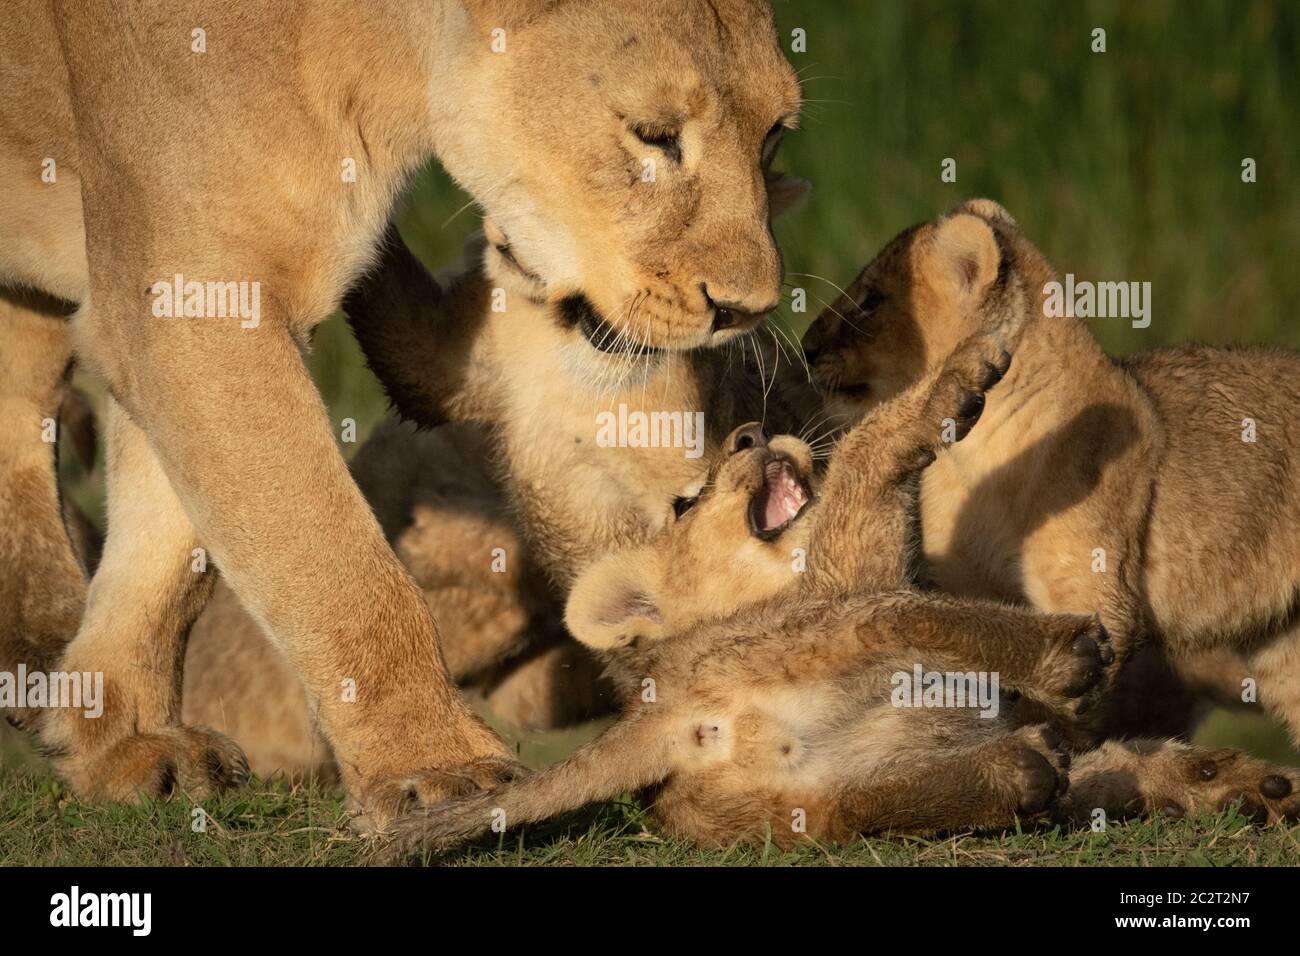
622,150
733,543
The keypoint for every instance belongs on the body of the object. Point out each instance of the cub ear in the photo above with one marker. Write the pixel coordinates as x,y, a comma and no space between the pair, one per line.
786,193
987,209
615,601
965,253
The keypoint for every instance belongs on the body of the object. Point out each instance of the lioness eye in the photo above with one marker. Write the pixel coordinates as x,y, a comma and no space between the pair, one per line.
772,143
667,140
683,505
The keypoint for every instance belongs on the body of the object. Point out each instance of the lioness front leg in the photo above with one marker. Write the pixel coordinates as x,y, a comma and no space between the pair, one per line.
150,586
870,495
244,440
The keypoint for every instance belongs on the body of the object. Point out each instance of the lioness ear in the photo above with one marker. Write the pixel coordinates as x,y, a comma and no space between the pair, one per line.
786,193
614,601
965,252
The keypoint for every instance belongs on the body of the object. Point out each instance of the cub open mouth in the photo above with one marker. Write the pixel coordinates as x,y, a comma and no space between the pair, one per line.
853,391
780,500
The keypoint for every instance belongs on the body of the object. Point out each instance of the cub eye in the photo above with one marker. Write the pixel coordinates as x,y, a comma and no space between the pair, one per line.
669,141
683,505
871,301
772,142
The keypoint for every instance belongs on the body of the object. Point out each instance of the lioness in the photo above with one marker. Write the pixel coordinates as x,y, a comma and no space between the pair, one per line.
204,191
1159,490
758,701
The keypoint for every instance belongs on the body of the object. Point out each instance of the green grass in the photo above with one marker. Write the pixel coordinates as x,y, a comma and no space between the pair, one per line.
273,824
1121,166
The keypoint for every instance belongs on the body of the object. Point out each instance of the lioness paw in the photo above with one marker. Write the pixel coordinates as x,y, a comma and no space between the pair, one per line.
391,798
194,761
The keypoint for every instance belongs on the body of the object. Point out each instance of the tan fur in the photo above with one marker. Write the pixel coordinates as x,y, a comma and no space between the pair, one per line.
444,352
441,506
1143,458
537,387
219,426
42,583
774,721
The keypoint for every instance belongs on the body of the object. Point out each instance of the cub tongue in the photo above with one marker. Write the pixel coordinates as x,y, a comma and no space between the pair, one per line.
784,495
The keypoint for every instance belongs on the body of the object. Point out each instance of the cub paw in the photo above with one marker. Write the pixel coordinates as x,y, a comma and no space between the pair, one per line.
191,760
1177,780
1040,768
1072,675
1263,792
974,367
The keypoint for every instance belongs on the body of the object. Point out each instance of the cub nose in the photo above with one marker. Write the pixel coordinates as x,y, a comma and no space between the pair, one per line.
745,437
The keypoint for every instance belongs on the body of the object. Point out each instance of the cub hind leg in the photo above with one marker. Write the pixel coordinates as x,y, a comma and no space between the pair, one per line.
1276,668
974,785
635,753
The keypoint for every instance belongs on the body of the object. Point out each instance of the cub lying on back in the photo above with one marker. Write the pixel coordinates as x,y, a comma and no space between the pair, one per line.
1161,490
757,692
520,470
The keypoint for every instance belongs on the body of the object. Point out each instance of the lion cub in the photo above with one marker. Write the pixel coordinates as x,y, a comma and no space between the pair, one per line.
1159,490
533,474
762,696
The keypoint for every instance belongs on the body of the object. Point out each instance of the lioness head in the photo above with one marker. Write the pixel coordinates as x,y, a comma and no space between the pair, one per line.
623,153
733,543
931,287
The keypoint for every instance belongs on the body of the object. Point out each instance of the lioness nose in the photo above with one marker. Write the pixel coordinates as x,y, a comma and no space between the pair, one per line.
746,436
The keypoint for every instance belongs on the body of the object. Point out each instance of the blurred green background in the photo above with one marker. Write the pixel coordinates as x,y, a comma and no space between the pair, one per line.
1122,165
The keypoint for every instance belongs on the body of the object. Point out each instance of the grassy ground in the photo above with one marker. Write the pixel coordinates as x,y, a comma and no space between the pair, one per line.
275,824
1123,165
